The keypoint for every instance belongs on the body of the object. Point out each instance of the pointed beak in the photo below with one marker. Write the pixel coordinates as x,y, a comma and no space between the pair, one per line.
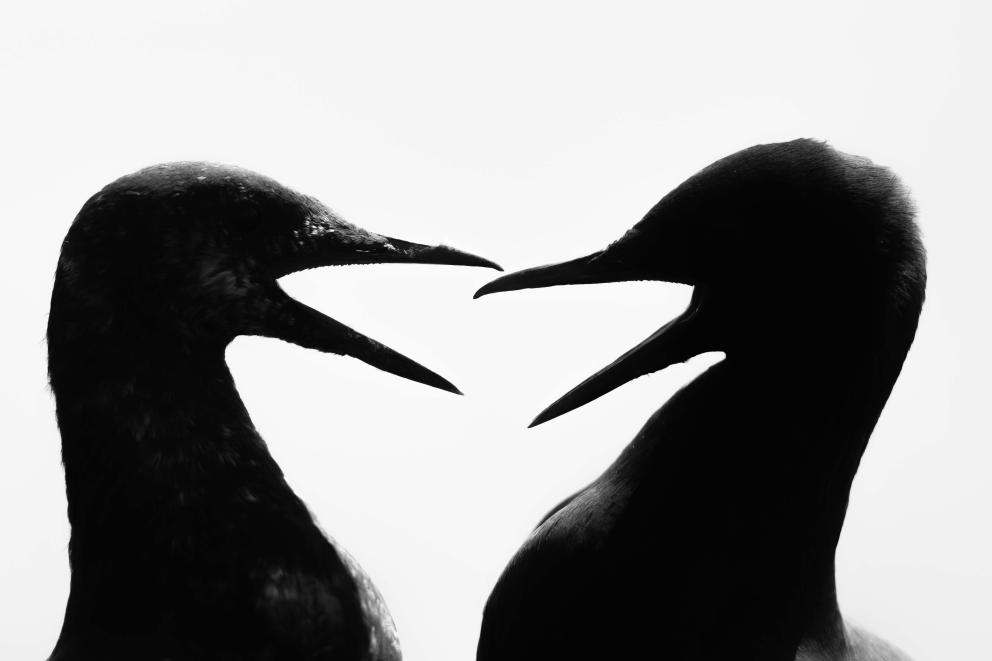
405,252
692,333
688,335
300,324
591,269
328,241
333,242
622,261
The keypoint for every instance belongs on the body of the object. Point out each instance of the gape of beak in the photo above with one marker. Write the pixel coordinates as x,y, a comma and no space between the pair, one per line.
326,240
693,332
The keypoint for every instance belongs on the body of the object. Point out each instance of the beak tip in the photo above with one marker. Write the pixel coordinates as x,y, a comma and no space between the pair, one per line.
485,263
461,258
489,288
445,385
542,417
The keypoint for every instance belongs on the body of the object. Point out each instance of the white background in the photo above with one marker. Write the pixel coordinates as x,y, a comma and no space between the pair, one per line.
528,133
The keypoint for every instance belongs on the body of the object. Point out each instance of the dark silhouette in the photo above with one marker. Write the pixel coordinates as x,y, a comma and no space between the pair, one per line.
187,543
713,534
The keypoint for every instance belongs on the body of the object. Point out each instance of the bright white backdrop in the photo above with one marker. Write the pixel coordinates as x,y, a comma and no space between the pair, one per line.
528,133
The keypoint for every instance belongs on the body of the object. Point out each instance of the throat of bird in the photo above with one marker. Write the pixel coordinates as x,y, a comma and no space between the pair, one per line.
161,433
767,460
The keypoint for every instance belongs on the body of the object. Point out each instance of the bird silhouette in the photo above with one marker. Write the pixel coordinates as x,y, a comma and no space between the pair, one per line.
712,535
187,543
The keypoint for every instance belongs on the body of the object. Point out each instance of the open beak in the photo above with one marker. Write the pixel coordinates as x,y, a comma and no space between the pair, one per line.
693,332
335,242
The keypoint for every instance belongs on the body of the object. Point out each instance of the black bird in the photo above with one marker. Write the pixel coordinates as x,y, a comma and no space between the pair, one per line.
712,536
187,543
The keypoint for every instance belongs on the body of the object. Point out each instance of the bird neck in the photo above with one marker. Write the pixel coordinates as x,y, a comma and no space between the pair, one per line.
151,429
810,420
800,467
751,464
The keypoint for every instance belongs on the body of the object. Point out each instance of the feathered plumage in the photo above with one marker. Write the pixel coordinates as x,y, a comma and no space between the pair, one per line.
187,543
712,536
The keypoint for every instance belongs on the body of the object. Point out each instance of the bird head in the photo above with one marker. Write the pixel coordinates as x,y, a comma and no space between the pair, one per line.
793,250
189,254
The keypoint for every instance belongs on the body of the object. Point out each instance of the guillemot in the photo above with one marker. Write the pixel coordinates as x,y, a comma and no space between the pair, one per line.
713,535
187,543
